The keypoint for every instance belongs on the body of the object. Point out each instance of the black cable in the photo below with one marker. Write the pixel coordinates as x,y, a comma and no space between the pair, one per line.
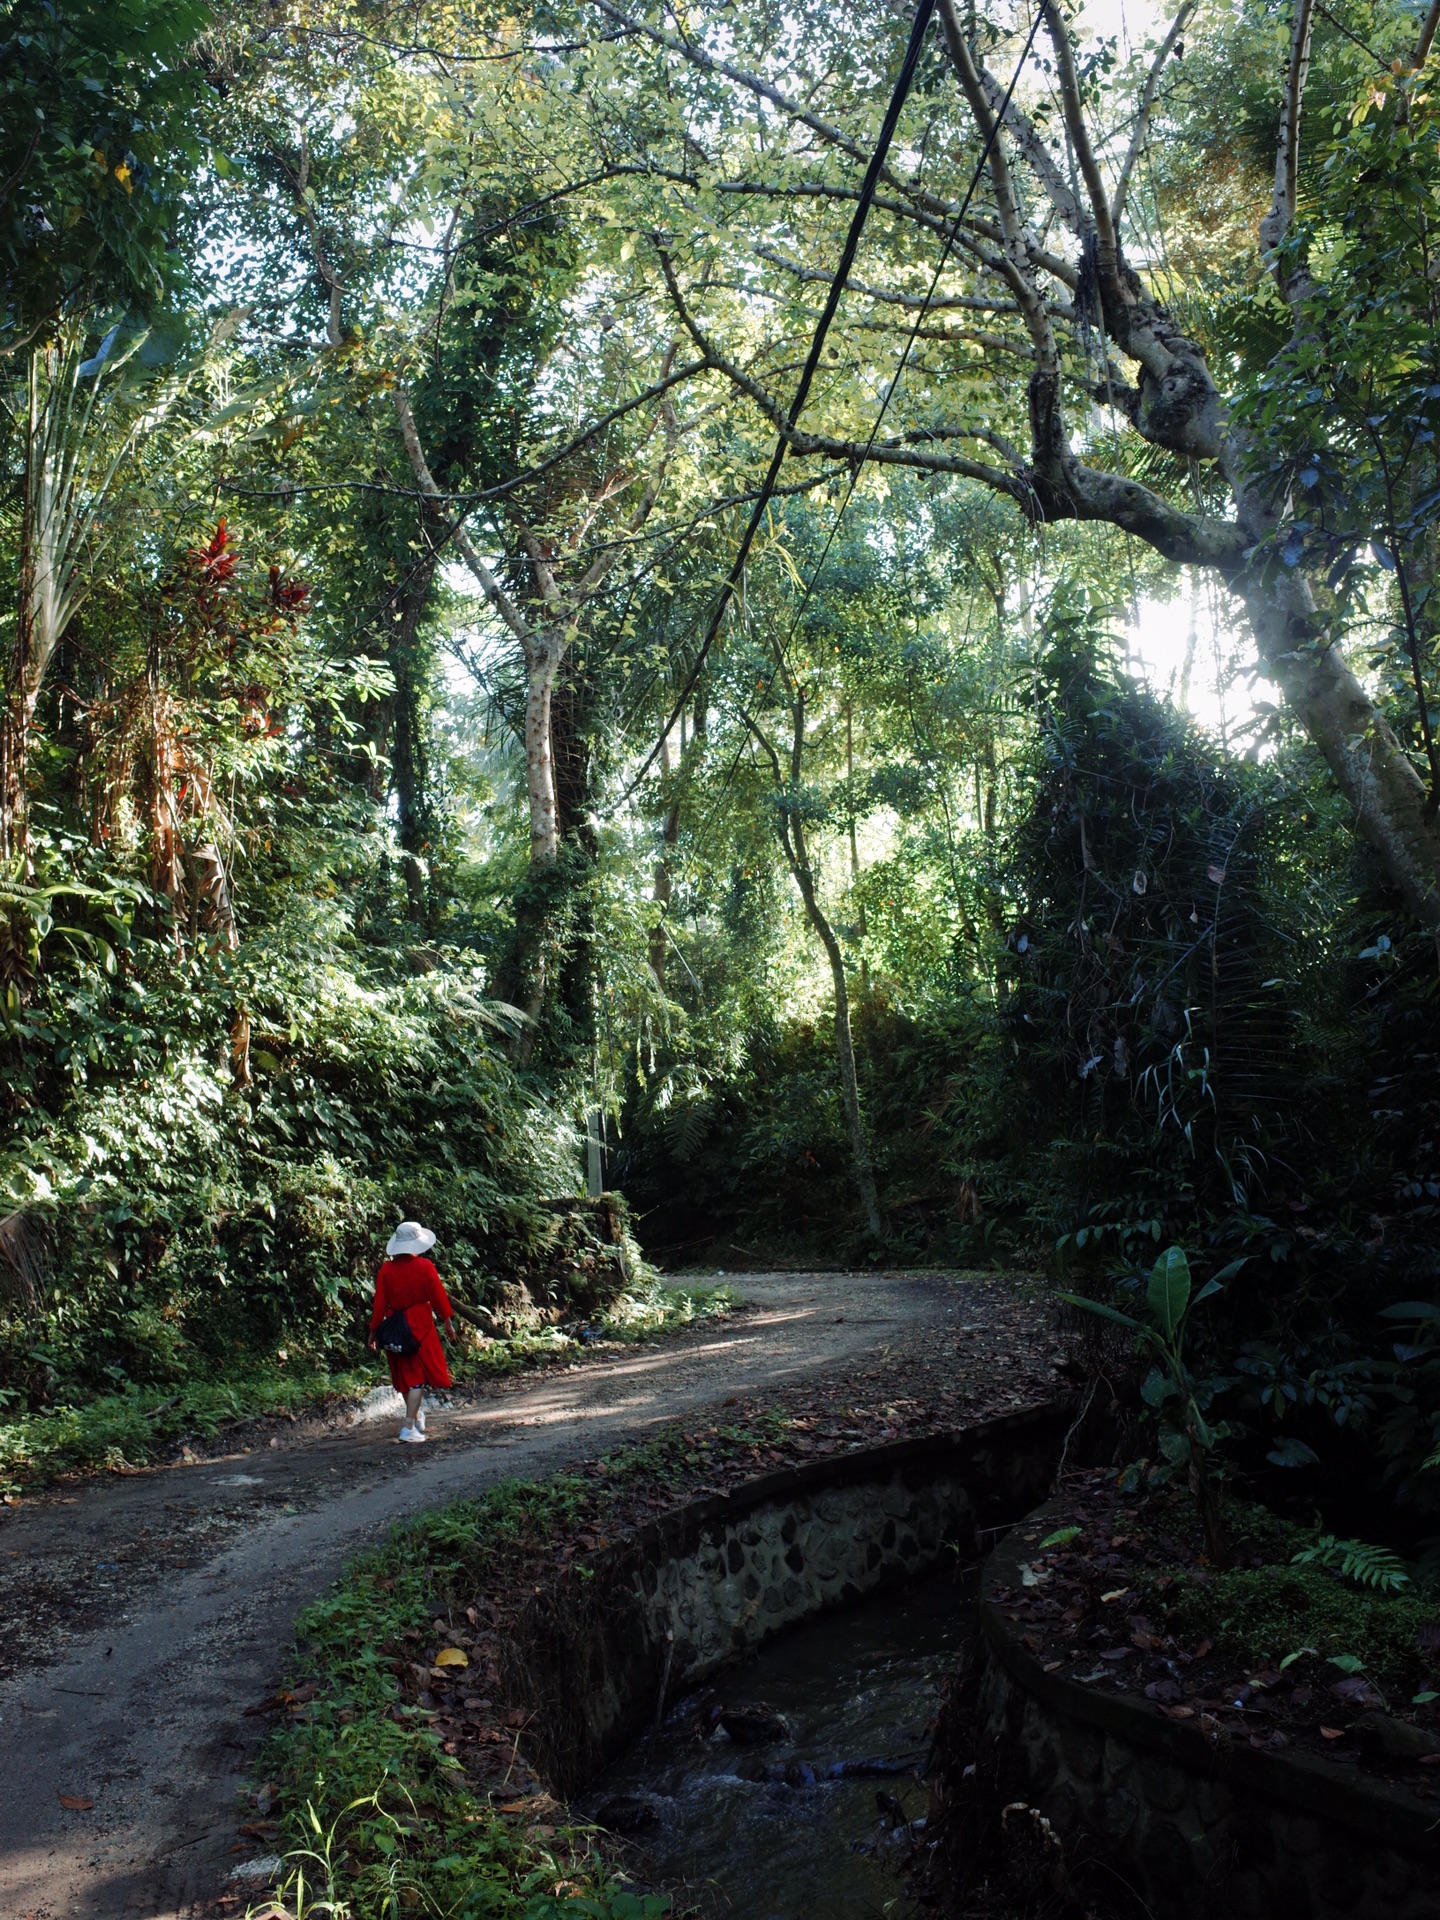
923,15
940,267
950,239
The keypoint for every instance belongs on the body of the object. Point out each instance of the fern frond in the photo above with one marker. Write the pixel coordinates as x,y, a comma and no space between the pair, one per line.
1366,1565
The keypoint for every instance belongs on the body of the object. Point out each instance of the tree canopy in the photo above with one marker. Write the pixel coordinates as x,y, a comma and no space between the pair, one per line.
405,784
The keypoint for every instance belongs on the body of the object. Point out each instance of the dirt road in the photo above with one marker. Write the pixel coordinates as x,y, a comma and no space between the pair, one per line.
141,1617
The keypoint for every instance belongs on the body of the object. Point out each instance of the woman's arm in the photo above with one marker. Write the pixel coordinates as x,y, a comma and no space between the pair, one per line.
378,1311
440,1303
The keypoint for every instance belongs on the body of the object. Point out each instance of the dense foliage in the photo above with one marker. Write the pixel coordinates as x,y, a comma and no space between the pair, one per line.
387,388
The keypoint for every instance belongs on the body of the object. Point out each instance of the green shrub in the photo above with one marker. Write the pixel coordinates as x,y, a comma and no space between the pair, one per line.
1260,1616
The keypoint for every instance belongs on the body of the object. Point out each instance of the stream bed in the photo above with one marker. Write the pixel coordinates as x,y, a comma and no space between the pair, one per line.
789,1825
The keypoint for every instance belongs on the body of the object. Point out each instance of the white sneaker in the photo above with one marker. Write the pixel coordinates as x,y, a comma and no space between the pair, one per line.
413,1435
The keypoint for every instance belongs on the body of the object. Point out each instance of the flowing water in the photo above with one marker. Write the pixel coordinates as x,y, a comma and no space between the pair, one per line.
791,1828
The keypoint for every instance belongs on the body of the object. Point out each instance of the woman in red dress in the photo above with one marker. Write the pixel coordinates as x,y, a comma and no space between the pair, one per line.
409,1284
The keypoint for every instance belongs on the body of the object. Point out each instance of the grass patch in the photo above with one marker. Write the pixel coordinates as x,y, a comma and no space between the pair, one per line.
375,1817
1259,1616
650,1307
136,1425
379,1819
1267,1608
127,1428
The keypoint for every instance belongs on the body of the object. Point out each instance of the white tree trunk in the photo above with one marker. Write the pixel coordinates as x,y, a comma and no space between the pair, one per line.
1371,767
541,668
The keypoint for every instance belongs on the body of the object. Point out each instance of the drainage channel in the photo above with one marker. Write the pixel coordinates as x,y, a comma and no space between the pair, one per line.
787,1787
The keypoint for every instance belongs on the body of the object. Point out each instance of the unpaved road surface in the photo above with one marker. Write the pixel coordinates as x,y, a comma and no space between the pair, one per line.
142,1616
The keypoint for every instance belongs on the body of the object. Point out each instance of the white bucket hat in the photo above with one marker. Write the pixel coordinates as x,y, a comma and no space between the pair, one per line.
410,1237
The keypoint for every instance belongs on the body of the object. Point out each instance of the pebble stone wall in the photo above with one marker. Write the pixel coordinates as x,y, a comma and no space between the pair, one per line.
1201,1831
784,1563
662,1612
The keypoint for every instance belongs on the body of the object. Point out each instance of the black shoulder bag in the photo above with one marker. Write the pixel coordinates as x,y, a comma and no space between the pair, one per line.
395,1335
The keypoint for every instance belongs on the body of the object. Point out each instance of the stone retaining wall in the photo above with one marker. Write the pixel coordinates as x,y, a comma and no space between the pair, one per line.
1200,1830
662,1611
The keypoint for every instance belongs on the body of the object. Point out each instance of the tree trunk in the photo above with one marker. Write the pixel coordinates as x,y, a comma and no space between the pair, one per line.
15,724
669,839
540,671
534,910
408,767
1192,642
1370,766
21,688
570,917
799,864
855,849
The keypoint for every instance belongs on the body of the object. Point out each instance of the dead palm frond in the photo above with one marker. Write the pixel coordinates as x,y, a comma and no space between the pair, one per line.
24,1258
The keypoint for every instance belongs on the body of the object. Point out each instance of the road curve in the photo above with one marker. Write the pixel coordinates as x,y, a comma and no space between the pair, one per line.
145,1614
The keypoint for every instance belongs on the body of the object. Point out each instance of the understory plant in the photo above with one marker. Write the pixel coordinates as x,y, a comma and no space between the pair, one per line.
380,1820
1180,1400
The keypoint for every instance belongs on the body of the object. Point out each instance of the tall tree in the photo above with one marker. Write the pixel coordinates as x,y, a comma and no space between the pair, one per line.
1052,370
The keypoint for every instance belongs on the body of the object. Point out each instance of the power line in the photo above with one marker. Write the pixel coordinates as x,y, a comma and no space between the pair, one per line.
923,15
996,123
940,267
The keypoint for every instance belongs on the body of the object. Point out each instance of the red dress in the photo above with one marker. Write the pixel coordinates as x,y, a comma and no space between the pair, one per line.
410,1283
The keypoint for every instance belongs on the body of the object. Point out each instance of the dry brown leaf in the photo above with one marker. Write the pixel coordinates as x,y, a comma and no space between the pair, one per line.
76,1802
1332,1733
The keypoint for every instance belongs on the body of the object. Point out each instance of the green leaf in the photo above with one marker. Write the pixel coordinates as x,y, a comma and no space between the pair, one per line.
1061,1537
1347,1663
1168,1294
1105,1313
1292,1453
1157,1388
1175,1447
1356,1560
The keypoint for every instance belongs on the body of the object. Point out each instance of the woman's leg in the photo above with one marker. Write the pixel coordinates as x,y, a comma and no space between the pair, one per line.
412,1404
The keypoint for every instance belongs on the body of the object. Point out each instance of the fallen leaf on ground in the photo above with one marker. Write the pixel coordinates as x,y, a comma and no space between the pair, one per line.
76,1802
451,1657
1332,1733
1354,1691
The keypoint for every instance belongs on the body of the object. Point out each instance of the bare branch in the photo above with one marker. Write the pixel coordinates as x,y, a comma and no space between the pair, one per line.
1277,222
6,190
767,404
1147,107
1074,107
970,236
299,178
1427,36
832,136
963,302
1016,260
489,585
1031,143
